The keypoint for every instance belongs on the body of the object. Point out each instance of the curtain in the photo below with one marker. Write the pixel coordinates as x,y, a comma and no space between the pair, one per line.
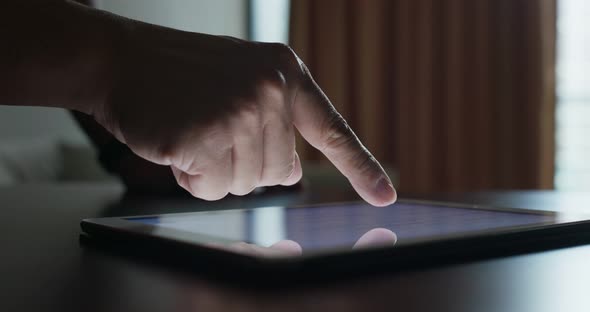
456,95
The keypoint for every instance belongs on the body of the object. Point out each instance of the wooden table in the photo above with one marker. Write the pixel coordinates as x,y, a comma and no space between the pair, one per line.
44,268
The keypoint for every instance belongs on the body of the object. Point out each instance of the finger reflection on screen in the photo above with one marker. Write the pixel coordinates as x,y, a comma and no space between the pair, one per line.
378,237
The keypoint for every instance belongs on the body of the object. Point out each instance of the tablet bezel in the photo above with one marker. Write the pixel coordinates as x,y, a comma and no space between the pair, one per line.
446,249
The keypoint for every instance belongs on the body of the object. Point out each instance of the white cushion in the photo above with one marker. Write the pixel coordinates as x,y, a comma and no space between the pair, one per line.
29,160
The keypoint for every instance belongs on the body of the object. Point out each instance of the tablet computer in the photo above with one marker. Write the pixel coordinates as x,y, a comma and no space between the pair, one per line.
335,239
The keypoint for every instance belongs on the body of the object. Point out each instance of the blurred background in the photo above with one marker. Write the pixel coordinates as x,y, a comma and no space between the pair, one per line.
453,95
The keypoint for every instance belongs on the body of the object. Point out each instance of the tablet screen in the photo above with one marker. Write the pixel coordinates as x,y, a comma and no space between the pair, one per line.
341,226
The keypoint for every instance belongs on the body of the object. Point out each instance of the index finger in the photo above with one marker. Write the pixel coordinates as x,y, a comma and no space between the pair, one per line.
324,128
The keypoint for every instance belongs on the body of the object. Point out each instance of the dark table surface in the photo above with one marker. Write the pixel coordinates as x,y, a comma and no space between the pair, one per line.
44,268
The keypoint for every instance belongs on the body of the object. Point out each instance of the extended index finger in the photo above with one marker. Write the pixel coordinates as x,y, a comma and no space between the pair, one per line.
324,128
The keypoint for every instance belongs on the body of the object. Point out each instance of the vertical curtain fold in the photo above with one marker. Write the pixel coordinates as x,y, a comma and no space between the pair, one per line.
457,95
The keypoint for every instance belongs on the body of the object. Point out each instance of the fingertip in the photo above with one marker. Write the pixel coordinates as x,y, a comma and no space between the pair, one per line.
381,194
385,192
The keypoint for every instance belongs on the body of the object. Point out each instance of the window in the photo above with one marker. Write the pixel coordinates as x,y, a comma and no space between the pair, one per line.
573,96
269,20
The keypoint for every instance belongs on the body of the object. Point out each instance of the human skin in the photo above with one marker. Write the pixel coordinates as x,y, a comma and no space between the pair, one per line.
220,112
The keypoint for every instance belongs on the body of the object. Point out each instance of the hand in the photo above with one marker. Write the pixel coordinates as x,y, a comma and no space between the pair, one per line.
222,112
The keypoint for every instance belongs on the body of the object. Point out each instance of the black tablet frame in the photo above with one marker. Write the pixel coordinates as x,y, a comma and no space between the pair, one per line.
137,239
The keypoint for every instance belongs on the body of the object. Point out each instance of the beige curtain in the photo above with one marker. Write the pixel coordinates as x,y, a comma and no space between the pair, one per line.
457,95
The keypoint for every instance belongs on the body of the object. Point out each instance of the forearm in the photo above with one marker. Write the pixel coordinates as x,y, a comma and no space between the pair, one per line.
56,53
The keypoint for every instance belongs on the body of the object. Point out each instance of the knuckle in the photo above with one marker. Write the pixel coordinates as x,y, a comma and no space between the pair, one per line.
187,163
249,110
336,133
281,51
247,121
271,89
280,48
212,146
165,153
285,57
282,69
366,163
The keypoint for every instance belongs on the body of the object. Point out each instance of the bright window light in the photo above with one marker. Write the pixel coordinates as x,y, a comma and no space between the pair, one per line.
269,20
573,96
